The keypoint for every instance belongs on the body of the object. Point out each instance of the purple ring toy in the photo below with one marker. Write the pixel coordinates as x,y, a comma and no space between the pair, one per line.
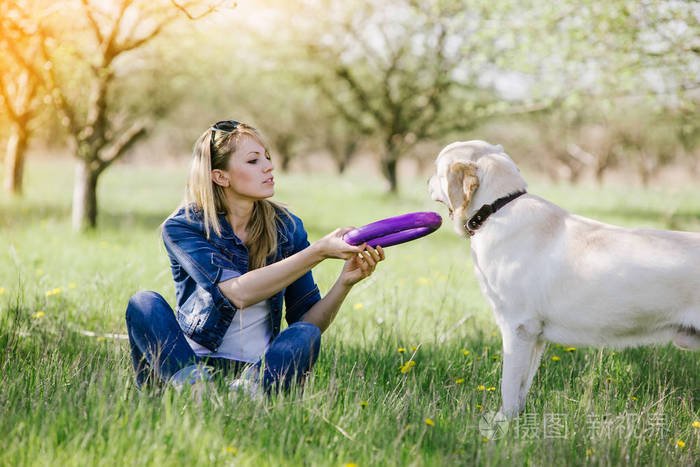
395,230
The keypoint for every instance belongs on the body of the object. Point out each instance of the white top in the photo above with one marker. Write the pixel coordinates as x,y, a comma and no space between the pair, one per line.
246,338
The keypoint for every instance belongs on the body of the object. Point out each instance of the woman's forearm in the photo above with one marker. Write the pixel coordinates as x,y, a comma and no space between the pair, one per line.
323,312
259,284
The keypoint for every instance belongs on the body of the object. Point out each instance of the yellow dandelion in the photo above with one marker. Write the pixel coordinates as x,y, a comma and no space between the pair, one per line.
39,314
423,281
401,349
54,291
696,424
485,440
413,348
480,387
555,358
358,306
2,290
491,388
364,404
633,398
570,349
406,367
680,444
465,351
459,380
495,357
350,464
231,450
609,380
429,422
589,451
479,406
72,285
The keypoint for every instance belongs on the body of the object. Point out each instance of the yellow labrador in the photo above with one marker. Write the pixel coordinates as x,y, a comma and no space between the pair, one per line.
551,276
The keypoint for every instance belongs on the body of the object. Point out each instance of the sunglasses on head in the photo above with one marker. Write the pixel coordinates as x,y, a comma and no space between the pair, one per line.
226,126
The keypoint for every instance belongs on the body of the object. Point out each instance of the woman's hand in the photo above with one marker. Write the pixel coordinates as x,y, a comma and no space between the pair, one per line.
333,245
356,268
361,265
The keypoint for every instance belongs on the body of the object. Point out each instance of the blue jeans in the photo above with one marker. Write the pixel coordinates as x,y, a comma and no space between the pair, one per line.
159,347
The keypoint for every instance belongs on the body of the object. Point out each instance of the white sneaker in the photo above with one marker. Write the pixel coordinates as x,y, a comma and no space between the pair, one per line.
190,375
247,385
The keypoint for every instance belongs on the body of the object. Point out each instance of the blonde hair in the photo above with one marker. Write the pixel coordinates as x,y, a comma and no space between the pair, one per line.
210,199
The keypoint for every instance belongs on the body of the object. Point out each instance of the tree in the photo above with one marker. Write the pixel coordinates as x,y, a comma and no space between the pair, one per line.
637,65
283,109
341,140
93,54
388,71
397,72
241,83
20,89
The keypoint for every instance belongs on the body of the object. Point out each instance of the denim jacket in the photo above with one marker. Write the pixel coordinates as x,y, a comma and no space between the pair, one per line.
198,264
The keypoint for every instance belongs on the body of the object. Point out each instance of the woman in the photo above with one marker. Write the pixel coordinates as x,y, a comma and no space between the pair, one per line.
235,258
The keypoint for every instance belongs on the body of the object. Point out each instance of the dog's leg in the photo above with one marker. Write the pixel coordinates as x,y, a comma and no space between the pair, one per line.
534,366
522,350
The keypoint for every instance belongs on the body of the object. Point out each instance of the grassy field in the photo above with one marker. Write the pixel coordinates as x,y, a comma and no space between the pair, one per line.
68,398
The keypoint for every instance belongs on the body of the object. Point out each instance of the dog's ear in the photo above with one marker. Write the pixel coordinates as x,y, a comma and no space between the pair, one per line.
462,182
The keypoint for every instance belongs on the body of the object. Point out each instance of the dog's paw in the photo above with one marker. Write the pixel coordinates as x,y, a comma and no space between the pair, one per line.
509,413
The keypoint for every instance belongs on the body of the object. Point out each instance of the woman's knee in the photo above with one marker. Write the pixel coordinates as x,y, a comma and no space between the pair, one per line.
145,306
300,341
308,331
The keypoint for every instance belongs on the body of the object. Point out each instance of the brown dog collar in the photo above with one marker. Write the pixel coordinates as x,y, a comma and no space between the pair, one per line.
486,210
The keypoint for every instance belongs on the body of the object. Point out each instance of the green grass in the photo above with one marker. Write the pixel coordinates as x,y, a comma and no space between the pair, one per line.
67,398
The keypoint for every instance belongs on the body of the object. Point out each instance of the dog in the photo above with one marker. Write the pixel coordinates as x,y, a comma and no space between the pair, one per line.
551,276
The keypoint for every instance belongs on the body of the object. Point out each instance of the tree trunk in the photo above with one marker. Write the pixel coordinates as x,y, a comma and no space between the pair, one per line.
389,163
348,151
14,159
85,197
646,167
284,143
285,160
342,165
